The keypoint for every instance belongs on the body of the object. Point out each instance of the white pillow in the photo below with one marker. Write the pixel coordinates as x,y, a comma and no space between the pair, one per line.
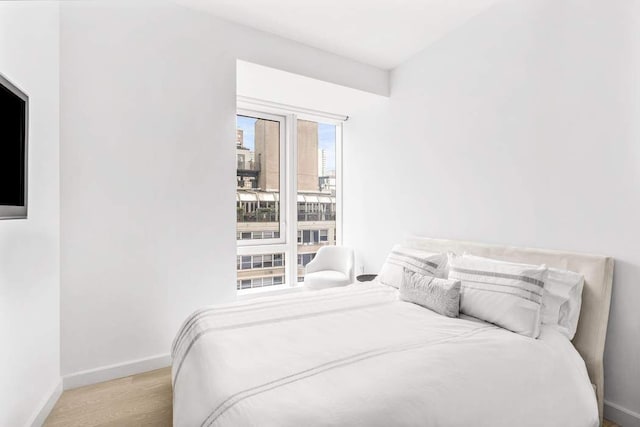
561,299
415,260
508,295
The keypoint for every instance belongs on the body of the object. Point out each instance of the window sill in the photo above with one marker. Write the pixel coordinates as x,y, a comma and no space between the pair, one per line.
245,294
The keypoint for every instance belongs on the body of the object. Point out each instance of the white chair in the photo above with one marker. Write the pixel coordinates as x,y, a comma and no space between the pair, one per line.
332,266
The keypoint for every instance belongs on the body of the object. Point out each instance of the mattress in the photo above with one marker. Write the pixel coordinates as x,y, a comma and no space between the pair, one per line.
358,356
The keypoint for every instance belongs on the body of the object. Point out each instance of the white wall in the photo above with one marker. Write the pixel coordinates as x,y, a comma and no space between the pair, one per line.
266,83
148,98
29,249
272,51
521,127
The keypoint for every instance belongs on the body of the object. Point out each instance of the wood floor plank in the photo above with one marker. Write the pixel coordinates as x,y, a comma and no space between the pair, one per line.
139,400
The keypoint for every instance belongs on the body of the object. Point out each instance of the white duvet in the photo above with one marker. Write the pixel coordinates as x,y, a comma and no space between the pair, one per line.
357,356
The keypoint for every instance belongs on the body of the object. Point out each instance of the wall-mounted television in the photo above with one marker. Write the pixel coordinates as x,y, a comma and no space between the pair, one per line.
14,129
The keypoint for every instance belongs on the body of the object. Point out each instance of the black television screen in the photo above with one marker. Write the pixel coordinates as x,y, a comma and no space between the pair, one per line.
13,150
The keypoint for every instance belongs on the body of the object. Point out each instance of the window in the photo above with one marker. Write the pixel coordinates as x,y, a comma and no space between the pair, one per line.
316,191
312,237
246,263
255,262
259,177
303,260
260,282
286,194
258,235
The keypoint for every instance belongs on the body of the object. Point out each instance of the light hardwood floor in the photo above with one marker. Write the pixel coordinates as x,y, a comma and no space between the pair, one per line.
139,400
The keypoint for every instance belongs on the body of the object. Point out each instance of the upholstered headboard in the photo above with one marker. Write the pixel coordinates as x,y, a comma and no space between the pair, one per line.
596,296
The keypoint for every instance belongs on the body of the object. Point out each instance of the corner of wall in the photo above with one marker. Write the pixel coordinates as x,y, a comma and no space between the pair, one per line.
46,406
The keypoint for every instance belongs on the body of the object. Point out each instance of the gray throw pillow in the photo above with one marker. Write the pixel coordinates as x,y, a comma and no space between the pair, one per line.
439,295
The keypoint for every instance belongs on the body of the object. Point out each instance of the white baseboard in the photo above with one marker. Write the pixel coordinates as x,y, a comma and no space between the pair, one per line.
620,415
45,408
119,370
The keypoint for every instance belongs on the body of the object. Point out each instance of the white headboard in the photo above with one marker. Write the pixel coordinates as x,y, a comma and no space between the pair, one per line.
596,296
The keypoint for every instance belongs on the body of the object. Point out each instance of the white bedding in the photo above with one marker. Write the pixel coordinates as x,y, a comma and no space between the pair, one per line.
358,356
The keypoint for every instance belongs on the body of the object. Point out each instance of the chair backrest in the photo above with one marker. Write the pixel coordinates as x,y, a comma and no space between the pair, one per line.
340,258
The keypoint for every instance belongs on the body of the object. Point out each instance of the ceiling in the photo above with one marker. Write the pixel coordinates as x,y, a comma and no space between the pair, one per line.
382,33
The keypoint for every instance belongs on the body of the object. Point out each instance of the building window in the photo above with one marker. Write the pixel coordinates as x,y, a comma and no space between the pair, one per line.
259,282
258,235
278,260
255,262
303,260
263,197
312,237
246,262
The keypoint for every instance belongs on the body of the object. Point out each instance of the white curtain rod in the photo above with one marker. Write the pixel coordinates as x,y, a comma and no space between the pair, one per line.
291,109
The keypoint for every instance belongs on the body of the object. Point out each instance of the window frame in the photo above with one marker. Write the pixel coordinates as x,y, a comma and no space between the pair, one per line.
282,119
287,244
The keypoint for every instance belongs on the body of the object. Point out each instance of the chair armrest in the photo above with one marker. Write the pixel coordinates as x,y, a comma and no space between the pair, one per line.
313,266
351,274
325,259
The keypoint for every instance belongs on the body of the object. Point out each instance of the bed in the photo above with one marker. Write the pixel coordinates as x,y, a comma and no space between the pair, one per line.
359,356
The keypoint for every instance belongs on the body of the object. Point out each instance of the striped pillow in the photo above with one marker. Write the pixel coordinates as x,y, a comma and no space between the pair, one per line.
508,295
561,299
413,260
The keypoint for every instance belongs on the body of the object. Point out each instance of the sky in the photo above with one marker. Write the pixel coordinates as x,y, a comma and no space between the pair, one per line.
326,138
